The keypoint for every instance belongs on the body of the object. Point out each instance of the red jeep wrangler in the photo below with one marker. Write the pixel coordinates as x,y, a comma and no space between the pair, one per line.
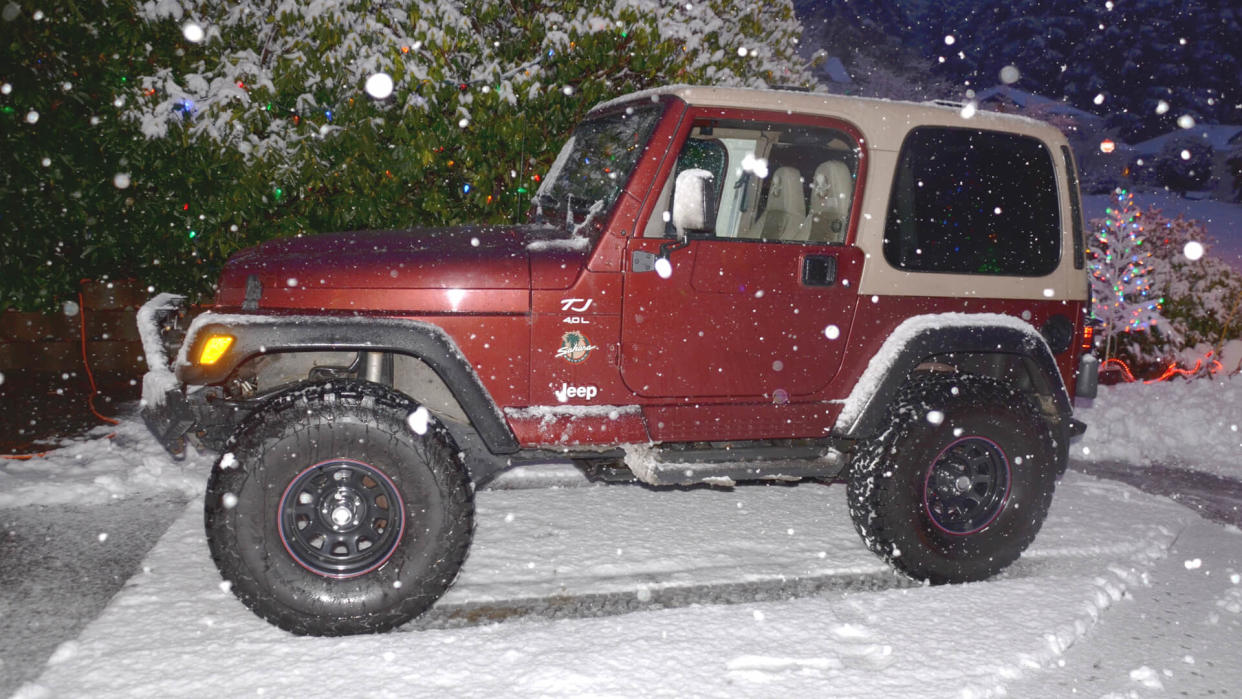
717,285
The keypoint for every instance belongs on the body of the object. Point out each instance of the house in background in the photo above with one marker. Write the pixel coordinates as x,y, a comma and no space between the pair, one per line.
1101,171
1071,120
1223,140
832,72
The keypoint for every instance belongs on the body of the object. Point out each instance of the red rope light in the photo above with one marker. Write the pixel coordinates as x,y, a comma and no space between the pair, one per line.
1170,371
1173,370
1129,377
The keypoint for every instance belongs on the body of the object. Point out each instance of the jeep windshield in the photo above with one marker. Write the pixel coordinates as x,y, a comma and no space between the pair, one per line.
596,162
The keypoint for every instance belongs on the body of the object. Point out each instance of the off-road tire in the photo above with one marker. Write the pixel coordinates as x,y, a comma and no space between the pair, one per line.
958,484
324,451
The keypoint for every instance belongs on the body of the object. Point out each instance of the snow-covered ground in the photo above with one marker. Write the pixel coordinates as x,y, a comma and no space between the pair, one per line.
173,630
754,591
111,462
1194,425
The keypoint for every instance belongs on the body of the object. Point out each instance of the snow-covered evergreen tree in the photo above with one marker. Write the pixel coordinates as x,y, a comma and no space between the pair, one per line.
362,113
1202,294
153,138
274,81
1120,285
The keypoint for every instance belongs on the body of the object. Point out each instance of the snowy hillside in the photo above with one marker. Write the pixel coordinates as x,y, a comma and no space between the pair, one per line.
1223,220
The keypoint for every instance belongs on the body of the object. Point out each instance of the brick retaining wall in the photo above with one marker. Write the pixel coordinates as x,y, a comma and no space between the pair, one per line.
52,343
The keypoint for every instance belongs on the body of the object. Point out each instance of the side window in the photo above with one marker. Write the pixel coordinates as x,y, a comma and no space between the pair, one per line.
772,182
1075,208
968,201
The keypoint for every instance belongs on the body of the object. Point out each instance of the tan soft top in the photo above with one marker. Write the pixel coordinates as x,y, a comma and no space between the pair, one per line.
884,123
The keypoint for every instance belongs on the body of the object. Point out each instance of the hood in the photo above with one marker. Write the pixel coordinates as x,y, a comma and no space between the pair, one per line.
467,269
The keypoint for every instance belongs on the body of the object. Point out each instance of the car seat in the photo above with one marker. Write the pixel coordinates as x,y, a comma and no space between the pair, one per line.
832,190
786,208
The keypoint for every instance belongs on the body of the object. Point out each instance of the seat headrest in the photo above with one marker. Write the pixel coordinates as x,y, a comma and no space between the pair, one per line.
786,193
832,187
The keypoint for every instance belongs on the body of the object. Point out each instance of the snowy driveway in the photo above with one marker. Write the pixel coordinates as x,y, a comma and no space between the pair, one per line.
622,591
608,559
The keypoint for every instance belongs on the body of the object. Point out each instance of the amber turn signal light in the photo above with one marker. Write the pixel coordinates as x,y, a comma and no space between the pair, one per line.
214,348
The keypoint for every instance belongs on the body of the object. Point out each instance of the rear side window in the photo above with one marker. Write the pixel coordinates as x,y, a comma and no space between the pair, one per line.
967,201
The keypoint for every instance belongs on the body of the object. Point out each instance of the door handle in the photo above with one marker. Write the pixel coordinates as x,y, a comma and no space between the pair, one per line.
819,270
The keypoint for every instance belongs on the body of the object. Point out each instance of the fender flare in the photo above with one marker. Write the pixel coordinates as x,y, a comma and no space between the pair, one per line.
259,334
920,337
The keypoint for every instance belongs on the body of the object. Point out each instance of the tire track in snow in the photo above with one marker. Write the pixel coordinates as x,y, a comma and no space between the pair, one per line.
1213,497
592,605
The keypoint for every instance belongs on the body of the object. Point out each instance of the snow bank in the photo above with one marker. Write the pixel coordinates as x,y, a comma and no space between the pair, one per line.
1186,424
97,468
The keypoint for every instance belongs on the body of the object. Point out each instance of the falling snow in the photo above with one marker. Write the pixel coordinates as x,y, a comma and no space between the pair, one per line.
379,86
192,32
418,420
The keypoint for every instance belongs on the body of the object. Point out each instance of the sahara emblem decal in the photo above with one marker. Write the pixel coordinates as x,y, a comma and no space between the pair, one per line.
575,347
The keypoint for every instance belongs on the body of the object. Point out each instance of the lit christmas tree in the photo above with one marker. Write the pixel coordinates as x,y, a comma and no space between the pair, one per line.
1120,287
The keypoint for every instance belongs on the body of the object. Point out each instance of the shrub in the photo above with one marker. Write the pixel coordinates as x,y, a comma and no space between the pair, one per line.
1201,296
1184,164
169,151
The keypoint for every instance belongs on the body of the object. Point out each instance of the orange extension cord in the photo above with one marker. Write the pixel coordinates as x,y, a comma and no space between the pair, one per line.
90,399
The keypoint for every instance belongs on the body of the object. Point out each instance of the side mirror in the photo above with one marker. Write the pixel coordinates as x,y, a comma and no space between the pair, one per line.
693,197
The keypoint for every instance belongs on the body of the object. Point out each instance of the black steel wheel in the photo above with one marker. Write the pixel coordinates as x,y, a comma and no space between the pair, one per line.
329,514
959,484
966,485
341,518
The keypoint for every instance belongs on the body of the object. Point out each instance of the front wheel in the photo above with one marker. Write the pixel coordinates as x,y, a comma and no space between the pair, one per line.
331,513
960,482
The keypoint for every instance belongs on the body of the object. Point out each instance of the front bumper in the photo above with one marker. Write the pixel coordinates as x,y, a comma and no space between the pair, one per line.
174,413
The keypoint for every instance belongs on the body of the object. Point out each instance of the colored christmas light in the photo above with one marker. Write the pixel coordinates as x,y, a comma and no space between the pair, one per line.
1119,271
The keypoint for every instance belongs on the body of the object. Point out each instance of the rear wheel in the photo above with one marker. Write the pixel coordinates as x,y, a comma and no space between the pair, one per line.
330,514
959,484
